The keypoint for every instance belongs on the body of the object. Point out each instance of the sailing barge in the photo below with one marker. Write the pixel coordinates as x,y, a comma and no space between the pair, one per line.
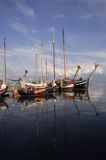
73,84
32,90
79,84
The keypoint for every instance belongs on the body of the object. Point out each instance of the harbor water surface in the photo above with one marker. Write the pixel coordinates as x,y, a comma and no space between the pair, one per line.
63,126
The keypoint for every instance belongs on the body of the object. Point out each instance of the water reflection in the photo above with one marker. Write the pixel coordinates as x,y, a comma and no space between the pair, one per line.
47,126
3,105
32,102
4,108
81,97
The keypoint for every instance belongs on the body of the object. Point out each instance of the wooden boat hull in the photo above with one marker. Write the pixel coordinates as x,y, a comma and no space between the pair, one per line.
32,92
68,85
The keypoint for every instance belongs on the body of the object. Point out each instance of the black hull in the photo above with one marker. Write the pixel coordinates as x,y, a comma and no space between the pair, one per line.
81,85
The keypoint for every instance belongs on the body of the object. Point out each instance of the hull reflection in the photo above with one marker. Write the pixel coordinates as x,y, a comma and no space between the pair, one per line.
32,101
3,105
83,97
76,95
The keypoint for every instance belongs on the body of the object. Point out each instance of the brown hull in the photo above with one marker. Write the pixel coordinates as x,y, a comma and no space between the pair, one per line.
32,92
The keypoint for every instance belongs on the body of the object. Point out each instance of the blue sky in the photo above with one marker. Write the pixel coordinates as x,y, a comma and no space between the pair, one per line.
27,23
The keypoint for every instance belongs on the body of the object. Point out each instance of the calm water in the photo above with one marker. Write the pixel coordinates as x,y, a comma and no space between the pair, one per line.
64,126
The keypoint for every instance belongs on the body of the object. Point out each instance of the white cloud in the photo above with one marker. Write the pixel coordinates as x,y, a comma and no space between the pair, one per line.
99,54
24,58
17,26
60,16
25,9
22,28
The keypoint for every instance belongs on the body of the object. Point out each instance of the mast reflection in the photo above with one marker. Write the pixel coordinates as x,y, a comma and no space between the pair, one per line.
4,108
78,98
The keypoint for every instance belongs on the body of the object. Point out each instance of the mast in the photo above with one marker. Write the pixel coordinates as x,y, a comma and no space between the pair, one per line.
36,58
46,70
96,65
64,52
41,61
5,67
53,45
78,67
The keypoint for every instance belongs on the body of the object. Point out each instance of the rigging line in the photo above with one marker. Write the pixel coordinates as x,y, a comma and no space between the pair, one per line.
87,67
42,60
74,60
72,57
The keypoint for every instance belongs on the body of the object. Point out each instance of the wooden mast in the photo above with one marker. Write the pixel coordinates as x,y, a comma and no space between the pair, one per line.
46,71
96,65
41,61
53,45
36,58
78,67
5,67
64,52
